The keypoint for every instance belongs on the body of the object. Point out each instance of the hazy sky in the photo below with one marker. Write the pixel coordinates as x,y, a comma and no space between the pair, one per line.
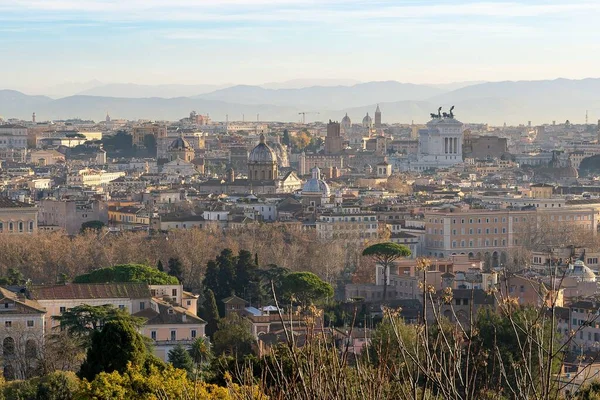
47,42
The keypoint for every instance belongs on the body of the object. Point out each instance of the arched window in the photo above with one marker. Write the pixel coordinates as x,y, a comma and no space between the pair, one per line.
20,226
10,226
30,349
8,346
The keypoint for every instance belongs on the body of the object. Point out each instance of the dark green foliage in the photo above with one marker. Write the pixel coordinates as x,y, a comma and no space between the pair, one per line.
13,277
234,337
135,273
92,226
305,288
386,251
180,358
211,313
117,145
496,331
239,275
81,321
270,278
117,344
175,268
58,385
590,166
150,145
160,267
286,137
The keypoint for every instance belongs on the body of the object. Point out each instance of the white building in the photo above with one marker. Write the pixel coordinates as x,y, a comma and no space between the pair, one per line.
91,177
13,136
440,145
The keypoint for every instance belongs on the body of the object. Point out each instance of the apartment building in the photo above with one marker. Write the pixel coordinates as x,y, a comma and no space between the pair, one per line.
349,223
70,214
491,234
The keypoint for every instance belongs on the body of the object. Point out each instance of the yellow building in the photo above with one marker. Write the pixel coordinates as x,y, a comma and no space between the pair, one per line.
141,131
17,217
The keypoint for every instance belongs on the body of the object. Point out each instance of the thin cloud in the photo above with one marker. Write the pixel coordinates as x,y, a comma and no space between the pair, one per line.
258,11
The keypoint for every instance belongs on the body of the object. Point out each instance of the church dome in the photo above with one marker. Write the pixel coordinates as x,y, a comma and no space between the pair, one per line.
367,120
262,154
346,120
315,185
582,272
180,144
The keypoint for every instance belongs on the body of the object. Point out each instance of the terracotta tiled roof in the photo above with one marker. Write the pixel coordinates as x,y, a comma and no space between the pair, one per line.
168,314
23,305
5,202
91,291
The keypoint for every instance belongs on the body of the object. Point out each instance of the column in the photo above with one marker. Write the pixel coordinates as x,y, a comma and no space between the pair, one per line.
446,145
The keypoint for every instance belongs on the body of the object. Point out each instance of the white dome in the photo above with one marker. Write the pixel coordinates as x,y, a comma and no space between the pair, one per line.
581,271
315,185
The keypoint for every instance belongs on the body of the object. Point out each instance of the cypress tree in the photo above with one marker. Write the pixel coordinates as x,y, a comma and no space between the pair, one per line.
212,313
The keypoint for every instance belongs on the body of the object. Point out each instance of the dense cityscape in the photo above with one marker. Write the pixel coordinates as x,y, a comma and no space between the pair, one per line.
233,237
299,200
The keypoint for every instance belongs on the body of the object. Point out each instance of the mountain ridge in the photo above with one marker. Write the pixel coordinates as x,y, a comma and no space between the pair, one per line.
513,102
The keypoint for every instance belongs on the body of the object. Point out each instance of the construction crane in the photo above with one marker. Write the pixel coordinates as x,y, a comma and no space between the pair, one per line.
303,113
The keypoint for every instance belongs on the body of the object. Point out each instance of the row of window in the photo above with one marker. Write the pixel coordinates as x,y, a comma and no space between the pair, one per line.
20,226
478,220
485,242
193,334
463,243
349,219
30,323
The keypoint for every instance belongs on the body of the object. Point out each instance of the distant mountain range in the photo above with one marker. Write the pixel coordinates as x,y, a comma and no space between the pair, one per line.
492,102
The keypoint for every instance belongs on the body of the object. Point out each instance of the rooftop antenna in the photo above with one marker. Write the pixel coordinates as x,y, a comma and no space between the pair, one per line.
586,117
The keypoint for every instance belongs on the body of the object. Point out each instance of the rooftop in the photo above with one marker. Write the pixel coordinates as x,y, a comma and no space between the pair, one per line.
90,291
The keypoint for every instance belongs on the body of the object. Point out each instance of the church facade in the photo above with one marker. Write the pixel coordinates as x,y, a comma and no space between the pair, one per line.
263,176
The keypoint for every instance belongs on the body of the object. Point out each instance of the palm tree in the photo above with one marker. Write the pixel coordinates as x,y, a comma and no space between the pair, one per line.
385,254
200,352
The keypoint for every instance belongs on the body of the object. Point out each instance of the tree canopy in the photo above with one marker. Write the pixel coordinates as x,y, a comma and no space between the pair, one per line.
180,358
385,254
234,337
136,273
113,348
229,274
83,320
305,287
92,225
